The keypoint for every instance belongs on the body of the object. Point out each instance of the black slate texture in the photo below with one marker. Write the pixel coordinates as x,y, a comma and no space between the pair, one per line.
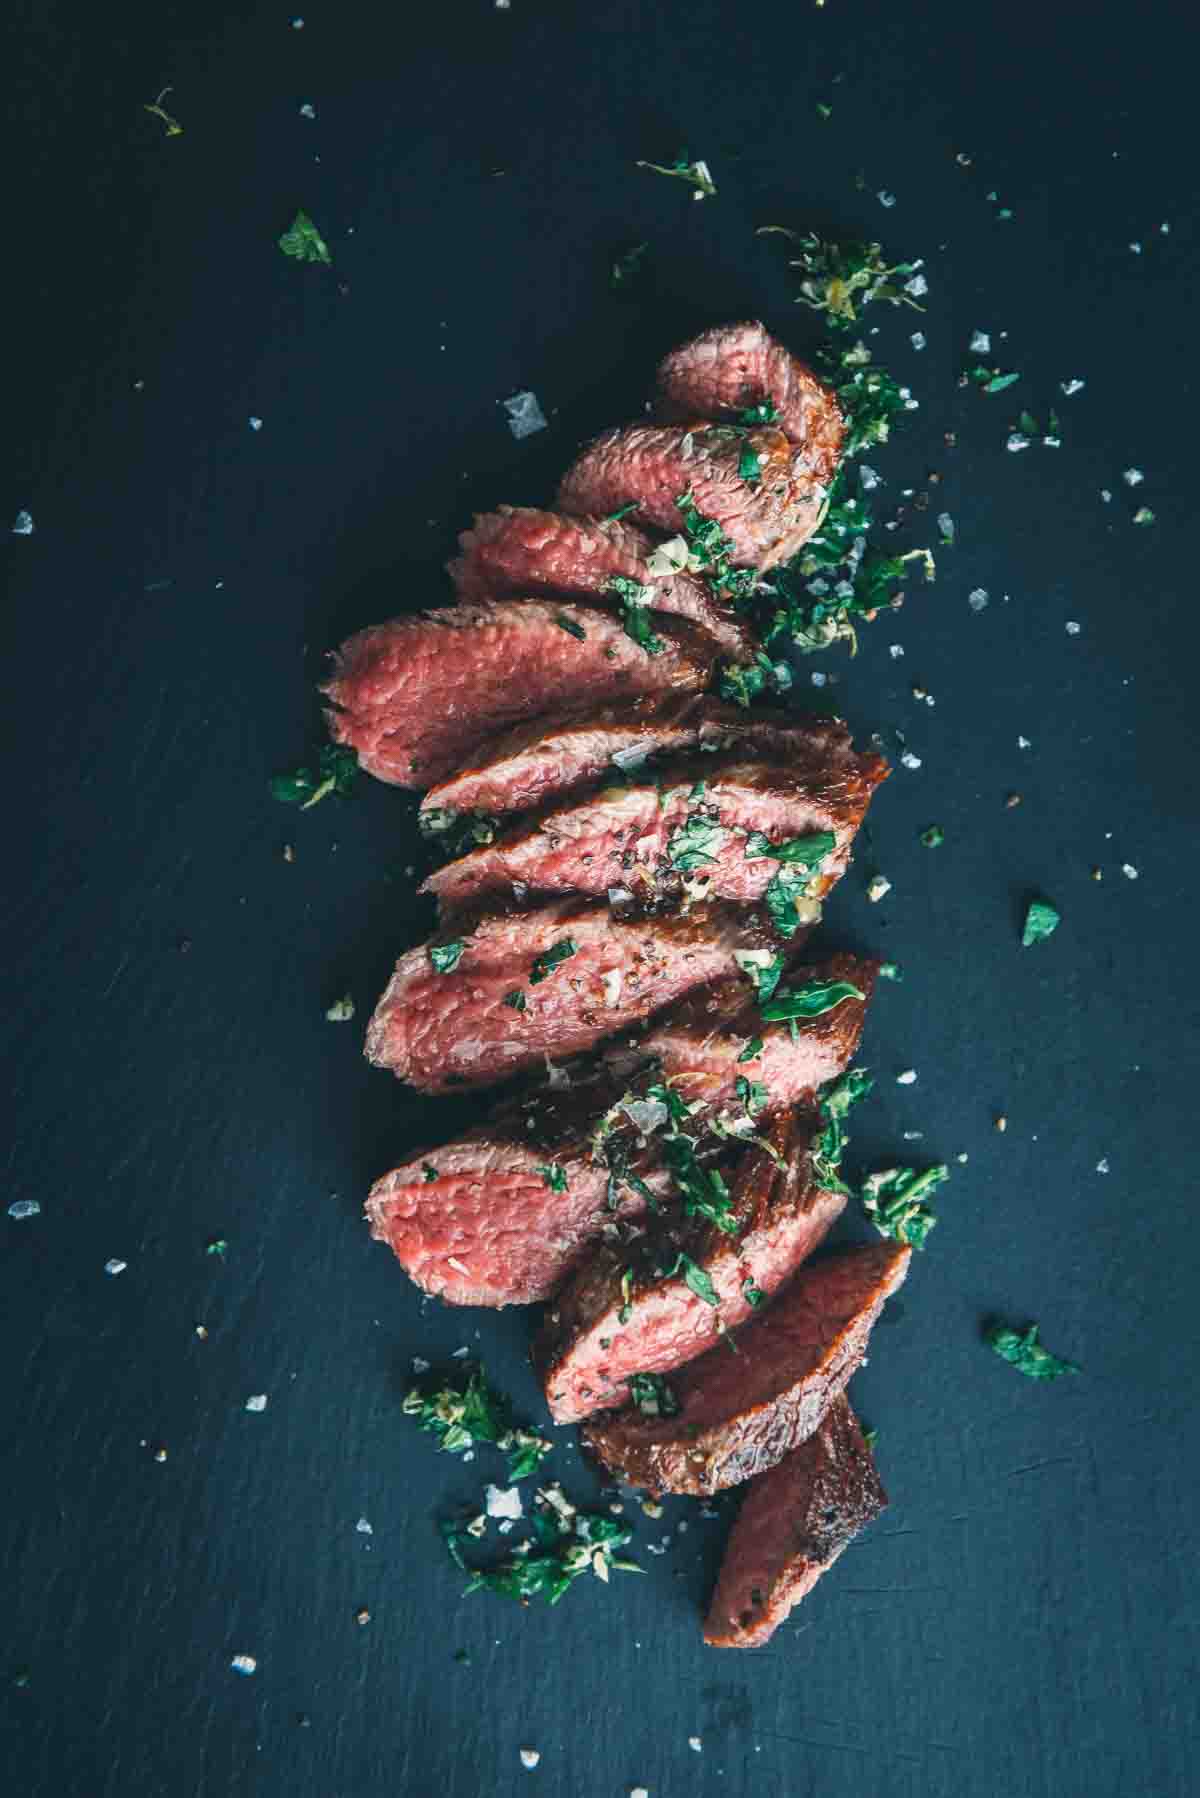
1023,1619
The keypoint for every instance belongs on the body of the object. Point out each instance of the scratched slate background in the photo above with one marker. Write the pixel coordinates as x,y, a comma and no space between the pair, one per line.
1023,1619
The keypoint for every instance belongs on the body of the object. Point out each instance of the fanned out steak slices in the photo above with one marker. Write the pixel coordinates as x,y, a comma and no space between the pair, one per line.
517,985
519,550
627,1311
732,368
502,1214
794,1523
698,1044
535,762
741,1413
766,520
691,824
416,696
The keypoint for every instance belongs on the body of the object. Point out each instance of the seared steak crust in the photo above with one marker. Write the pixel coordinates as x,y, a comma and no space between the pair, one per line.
417,695
740,1414
794,1523
766,519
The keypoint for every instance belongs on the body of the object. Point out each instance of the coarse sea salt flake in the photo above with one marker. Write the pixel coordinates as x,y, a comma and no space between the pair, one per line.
525,416
1129,871
977,599
909,760
114,1267
529,1756
895,650
1074,385
917,340
1073,627
907,1078
257,1402
243,1663
24,1208
981,342
1102,1165
503,1503
1016,440
23,527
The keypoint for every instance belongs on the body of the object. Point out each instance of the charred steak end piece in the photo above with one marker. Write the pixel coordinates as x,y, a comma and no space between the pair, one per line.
794,1523
732,369
767,517
740,1414
627,1311
519,550
416,696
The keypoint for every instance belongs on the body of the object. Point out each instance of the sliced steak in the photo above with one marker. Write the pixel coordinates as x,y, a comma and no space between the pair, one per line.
517,550
794,1523
700,822
417,695
501,1215
766,519
733,368
628,1312
534,762
505,988
739,1414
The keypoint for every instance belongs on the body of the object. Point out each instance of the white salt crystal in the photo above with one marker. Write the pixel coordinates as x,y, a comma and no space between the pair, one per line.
115,1267
1133,477
24,1208
909,760
525,416
981,342
907,1078
1073,627
529,1756
243,1663
257,1403
24,525
503,1503
977,598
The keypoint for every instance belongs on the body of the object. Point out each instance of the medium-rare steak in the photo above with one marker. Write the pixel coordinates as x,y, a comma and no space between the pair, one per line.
517,550
501,1215
734,368
794,1523
417,695
766,514
536,761
739,1414
722,826
502,989
519,1198
630,1311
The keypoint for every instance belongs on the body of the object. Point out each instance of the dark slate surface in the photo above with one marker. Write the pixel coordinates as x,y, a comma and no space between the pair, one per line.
1023,1620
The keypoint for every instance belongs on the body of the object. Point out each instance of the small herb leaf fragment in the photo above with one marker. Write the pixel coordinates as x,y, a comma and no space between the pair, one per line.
652,1395
445,957
1022,1350
894,1200
1041,921
544,965
809,1001
304,242
334,773
554,1176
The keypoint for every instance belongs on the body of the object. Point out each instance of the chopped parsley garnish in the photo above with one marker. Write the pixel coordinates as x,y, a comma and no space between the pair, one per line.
615,1156
554,1176
652,1395
752,1093
621,512
303,241
429,1173
710,552
334,773
753,1295
749,467
870,1437
445,957
891,970
694,844
566,1543
834,1100
462,1416
894,1200
991,380
627,267
744,682
752,1050
781,898
704,1191
544,965
934,837
809,1001
453,833
805,852
696,1278
840,279
516,999
1023,1351
172,126
696,174
635,612
764,969
765,413
571,625
1041,921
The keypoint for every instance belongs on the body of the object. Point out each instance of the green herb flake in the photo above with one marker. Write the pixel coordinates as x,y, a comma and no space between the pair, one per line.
834,1101
993,380
445,957
627,268
749,466
934,837
461,1416
696,174
304,242
1041,921
217,1246
696,1278
766,412
695,843
711,551
1028,423
753,1295
172,127
554,1176
838,280
703,1189
571,625
621,512
803,852
870,1437
544,965
429,1173
763,968
515,999
782,897
335,773
569,1543
752,1050
891,970
652,1395
895,1202
1143,515
824,111
752,1093
810,1001
1023,1351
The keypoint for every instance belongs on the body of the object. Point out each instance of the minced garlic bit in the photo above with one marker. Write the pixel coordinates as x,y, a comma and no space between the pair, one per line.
1129,871
907,1078
529,1756
1001,1123
879,888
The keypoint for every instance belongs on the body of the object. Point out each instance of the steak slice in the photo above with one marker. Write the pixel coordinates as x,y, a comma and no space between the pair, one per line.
415,696
626,1311
518,550
700,1044
696,822
740,1414
766,519
518,985
536,761
732,368
501,1215
794,1523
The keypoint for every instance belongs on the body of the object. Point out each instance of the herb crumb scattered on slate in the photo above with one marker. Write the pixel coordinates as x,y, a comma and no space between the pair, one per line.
341,1011
1022,1350
1041,921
